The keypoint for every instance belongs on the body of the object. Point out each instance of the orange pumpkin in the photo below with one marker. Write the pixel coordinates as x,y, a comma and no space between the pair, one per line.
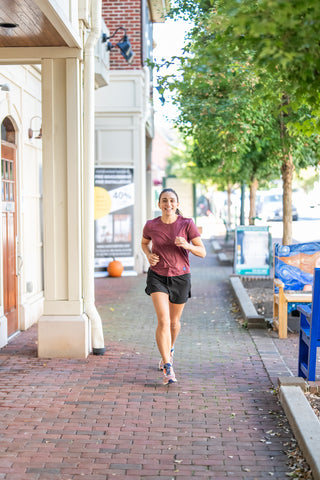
115,268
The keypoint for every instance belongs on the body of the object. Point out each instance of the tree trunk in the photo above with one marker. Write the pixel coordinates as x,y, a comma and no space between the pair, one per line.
253,199
287,174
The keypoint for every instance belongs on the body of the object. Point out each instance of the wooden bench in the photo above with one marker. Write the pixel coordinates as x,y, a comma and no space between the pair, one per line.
309,334
280,306
293,276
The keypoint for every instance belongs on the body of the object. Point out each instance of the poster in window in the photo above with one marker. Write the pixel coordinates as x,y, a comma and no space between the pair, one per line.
113,214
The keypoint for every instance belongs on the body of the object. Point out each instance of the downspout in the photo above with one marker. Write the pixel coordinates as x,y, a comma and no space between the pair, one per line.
98,347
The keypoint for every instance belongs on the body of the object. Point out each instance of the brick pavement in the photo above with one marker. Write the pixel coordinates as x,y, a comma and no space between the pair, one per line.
111,417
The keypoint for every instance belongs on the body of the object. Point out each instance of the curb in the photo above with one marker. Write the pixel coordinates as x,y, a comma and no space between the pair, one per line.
304,423
252,318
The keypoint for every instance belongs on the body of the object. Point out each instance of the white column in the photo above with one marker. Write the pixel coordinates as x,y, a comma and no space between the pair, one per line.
63,329
140,171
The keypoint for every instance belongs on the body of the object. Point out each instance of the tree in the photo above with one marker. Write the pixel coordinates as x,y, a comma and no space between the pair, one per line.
237,109
284,39
282,36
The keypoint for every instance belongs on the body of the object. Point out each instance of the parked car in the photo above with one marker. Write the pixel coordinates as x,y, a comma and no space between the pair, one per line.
270,209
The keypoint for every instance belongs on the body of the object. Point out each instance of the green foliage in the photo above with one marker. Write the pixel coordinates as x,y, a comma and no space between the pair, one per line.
233,98
283,38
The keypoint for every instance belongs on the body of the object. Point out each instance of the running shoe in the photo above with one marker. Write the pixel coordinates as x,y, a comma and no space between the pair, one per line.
171,359
168,374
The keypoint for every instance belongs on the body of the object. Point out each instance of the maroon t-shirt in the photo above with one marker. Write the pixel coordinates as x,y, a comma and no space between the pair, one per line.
173,260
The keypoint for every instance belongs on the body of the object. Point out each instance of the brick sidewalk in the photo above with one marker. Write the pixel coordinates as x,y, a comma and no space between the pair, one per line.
111,417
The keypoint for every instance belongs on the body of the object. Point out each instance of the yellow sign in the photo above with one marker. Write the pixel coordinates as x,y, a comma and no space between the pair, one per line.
102,202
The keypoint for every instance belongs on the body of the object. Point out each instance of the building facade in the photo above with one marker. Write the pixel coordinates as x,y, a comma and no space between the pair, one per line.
124,126
46,265
49,71
21,162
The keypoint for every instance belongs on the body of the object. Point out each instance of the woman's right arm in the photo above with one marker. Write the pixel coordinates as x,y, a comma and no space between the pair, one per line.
153,259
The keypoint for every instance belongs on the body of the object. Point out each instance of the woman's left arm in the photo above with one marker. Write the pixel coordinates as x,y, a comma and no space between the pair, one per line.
196,246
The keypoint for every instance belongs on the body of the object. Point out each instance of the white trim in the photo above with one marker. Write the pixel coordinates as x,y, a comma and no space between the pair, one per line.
34,55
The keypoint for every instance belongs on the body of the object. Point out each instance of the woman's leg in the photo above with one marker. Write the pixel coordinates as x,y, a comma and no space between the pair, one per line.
163,333
175,310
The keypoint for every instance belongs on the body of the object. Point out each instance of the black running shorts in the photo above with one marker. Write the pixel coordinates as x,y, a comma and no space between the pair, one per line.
178,288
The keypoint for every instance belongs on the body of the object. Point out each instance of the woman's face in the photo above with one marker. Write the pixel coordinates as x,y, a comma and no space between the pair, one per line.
168,203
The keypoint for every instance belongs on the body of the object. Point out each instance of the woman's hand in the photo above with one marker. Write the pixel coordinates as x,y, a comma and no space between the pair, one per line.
153,259
181,242
196,246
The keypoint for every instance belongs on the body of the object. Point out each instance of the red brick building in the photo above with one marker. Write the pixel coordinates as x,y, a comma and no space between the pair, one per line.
137,17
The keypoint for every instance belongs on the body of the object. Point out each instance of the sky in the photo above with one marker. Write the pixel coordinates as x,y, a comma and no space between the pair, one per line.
169,38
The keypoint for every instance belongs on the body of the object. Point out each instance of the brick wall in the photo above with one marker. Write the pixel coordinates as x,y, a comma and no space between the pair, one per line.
127,14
